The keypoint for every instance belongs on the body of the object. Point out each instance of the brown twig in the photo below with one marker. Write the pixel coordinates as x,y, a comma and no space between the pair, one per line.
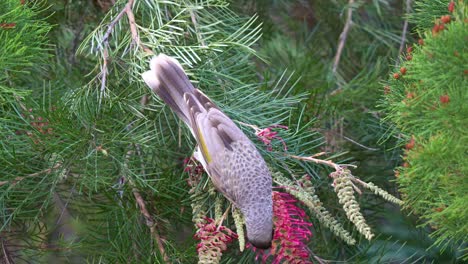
111,26
339,168
5,254
127,10
320,260
343,36
329,163
105,53
359,144
149,220
313,158
403,33
133,27
104,72
20,178
224,216
150,223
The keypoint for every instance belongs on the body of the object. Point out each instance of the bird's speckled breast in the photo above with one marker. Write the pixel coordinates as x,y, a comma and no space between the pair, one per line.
247,178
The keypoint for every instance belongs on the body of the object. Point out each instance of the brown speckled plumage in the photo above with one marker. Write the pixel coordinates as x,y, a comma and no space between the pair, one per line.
233,162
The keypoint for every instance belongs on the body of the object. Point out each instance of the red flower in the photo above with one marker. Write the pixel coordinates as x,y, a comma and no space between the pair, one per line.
7,25
397,174
396,76
403,70
444,99
437,28
291,232
410,95
445,19
410,144
451,6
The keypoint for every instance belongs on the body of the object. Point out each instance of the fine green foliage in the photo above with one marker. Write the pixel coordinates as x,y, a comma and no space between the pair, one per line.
23,45
427,11
426,101
303,36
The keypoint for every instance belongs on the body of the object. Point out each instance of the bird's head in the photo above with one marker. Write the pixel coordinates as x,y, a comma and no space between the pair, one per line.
259,223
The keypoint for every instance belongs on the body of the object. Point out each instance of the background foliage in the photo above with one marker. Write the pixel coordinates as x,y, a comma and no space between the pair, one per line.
79,151
429,110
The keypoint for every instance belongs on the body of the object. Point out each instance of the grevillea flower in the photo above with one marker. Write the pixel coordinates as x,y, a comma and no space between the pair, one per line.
195,171
451,6
291,232
266,135
213,241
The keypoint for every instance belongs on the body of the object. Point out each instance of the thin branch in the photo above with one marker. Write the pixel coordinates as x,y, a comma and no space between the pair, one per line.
320,260
76,40
329,163
195,25
356,188
200,39
110,28
339,168
105,41
313,158
221,220
104,72
150,222
403,33
343,36
7,259
254,127
20,178
127,10
359,144
133,27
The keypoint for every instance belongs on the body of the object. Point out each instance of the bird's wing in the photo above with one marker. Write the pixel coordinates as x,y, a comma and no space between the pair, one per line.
215,133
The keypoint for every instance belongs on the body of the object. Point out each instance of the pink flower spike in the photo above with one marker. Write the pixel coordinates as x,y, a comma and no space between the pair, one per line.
266,135
291,232
194,169
213,241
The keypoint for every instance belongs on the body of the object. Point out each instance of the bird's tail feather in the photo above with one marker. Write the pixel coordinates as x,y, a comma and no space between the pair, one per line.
170,82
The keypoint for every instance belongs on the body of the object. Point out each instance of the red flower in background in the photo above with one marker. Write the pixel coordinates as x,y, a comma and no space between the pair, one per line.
444,99
266,135
451,6
7,25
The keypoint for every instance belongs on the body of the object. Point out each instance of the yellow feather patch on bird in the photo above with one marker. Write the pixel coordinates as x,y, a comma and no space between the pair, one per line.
203,147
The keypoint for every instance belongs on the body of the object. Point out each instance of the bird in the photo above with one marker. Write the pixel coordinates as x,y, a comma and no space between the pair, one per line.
230,158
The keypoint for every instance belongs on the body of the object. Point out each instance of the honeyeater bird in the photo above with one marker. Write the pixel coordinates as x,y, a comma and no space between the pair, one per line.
230,158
